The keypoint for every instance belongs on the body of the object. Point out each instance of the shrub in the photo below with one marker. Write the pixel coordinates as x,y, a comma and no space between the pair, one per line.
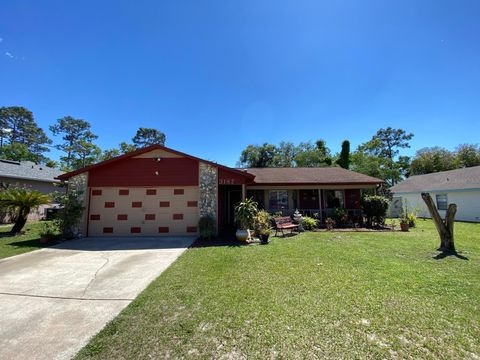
309,223
70,213
206,227
340,215
375,208
412,220
262,223
330,223
245,213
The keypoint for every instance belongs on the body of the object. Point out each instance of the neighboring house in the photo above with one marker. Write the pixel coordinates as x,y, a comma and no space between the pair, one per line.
157,190
30,175
461,187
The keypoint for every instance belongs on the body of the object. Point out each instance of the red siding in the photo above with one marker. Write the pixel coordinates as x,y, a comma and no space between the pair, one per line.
163,229
109,204
95,217
143,172
151,192
136,204
122,217
108,230
123,192
230,178
191,229
178,192
177,216
149,216
192,203
135,230
96,192
164,203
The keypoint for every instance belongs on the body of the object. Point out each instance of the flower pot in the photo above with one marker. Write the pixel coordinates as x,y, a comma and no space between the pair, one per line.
242,235
404,226
264,238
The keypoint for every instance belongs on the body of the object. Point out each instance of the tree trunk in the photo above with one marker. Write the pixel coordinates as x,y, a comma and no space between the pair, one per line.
444,228
19,224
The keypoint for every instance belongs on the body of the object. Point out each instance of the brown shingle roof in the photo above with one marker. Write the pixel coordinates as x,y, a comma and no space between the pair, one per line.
321,176
460,179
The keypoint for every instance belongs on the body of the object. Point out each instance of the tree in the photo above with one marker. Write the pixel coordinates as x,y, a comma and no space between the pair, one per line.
148,136
285,154
310,155
258,156
23,201
18,152
434,159
468,155
77,143
123,148
386,144
18,127
444,228
344,159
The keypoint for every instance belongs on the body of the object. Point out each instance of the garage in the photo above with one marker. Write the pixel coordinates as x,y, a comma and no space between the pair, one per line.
148,211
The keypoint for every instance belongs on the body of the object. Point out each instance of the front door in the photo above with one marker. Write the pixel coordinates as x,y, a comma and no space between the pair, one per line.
308,199
233,198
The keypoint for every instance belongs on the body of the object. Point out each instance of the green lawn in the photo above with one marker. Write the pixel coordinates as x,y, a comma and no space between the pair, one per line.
14,245
325,295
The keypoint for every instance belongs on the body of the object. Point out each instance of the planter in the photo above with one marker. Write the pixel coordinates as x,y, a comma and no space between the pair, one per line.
404,226
264,238
242,235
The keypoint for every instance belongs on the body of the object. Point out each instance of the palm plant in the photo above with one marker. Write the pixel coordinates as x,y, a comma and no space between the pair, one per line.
22,201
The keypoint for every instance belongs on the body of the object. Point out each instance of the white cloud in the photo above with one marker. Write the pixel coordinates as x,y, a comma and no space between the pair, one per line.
9,54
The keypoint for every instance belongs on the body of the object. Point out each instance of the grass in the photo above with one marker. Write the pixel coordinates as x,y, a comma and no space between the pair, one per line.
316,295
15,245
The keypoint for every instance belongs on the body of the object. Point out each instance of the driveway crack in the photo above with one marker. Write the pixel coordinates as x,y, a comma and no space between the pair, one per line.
107,260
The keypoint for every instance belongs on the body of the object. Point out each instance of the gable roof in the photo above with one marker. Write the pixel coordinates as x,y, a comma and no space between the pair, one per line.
459,179
312,175
145,150
27,170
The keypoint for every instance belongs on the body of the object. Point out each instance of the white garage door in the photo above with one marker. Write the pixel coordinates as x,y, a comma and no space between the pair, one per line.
143,211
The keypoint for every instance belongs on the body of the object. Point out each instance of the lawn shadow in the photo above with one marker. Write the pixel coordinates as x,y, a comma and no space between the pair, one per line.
445,254
33,243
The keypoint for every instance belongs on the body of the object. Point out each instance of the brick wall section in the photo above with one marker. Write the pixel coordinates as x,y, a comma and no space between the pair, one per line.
208,187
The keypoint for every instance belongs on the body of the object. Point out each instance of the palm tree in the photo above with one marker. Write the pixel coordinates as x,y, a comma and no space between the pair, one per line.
23,201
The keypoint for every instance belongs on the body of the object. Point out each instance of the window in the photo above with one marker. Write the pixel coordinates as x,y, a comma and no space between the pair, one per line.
334,199
278,200
442,201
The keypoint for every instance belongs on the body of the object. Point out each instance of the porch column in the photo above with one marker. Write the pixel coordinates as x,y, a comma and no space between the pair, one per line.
320,196
244,192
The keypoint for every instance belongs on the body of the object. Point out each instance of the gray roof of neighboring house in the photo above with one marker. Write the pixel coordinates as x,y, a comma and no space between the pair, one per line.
28,170
460,179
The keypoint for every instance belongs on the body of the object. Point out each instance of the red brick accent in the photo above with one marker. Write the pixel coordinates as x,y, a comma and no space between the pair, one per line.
149,216
191,229
192,203
178,191
135,230
94,217
151,191
96,192
109,204
122,217
163,229
123,192
177,216
164,203
136,204
108,230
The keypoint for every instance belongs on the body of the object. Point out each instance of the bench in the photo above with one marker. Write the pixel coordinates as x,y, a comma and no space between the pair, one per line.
284,223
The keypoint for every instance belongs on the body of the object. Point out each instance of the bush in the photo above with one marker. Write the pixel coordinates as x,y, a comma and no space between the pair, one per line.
71,210
309,223
330,223
340,215
206,227
263,223
412,220
375,209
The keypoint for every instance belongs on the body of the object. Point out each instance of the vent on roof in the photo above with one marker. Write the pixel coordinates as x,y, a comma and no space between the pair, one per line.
10,162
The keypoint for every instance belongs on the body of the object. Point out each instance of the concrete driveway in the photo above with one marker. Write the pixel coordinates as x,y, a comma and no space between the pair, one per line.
52,301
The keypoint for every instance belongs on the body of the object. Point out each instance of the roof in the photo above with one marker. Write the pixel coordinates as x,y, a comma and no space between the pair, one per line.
28,170
312,175
68,175
459,179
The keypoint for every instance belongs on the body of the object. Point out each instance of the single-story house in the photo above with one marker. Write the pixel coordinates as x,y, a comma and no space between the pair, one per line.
27,174
460,186
160,191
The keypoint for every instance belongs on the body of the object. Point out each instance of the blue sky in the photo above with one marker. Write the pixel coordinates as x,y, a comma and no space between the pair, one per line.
216,76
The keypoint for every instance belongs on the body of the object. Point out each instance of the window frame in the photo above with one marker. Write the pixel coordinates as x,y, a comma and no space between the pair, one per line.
438,203
341,199
284,192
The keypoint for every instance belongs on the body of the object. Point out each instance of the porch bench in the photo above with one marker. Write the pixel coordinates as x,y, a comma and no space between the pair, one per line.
284,223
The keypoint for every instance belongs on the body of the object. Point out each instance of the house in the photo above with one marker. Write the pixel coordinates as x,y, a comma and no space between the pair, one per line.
27,174
158,190
461,187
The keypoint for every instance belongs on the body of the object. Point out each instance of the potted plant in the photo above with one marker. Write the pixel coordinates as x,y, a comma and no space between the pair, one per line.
262,226
404,224
245,212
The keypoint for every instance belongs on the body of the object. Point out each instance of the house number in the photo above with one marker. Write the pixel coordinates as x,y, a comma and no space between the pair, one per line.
226,181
